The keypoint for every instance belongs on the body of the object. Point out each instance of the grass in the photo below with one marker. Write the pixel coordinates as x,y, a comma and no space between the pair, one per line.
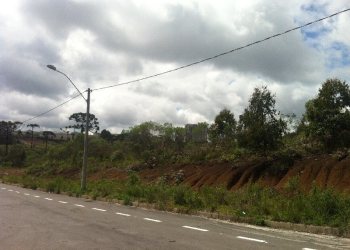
322,207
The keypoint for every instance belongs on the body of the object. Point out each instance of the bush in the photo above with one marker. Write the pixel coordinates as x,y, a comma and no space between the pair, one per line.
180,195
104,188
213,197
117,156
29,182
55,185
16,155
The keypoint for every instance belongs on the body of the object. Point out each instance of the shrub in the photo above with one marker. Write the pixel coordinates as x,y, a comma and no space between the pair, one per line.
29,182
55,185
16,155
213,197
179,195
117,156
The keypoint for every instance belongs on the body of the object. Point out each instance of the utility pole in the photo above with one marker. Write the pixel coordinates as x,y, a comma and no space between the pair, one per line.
7,139
86,136
83,172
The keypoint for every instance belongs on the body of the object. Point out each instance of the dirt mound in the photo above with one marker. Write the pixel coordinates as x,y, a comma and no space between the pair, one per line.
324,171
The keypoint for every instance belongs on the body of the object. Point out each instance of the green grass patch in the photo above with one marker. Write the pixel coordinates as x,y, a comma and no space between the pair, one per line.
322,207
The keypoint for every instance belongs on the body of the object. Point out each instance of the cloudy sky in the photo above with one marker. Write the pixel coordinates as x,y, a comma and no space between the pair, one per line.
99,43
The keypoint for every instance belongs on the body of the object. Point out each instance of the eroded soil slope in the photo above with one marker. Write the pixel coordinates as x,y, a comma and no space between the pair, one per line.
325,171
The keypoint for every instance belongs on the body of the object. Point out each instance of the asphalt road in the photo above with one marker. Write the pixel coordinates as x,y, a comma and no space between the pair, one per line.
37,220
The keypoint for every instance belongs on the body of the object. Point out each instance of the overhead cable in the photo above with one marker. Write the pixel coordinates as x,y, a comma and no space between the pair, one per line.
56,107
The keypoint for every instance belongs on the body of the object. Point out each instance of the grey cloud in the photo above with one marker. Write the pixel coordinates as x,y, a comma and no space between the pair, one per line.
39,50
29,77
187,35
117,117
62,17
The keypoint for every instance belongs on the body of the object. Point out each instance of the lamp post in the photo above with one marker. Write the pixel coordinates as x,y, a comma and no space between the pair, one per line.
86,136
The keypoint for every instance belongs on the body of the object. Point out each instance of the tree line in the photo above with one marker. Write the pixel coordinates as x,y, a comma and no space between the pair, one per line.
261,128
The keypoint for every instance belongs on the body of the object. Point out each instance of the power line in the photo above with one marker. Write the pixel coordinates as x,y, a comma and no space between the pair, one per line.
56,107
223,53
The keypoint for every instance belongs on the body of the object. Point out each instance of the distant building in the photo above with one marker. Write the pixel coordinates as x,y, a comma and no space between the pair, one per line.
63,136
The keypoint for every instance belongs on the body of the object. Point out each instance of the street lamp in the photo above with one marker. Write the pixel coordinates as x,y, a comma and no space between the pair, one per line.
83,171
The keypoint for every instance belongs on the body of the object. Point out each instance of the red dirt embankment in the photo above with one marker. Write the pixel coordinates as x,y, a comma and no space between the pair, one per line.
325,171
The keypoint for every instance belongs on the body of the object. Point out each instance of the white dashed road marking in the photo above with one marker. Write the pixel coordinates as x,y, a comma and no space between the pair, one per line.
63,202
251,239
10,190
149,219
196,228
78,205
305,248
17,192
36,196
98,209
3,188
123,214
49,199
26,194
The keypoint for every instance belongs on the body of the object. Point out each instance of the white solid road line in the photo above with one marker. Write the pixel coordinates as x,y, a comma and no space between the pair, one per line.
63,202
196,228
78,205
149,219
49,199
123,214
99,209
251,239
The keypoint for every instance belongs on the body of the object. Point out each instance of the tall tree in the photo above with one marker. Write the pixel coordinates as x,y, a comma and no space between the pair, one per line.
33,125
222,131
327,117
80,122
7,129
261,127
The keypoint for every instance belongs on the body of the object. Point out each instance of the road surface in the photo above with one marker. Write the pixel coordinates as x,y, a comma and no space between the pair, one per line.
32,219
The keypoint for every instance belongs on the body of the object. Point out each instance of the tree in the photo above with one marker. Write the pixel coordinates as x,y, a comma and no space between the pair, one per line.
179,134
260,126
327,117
80,120
33,125
46,135
142,135
222,131
7,128
106,135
